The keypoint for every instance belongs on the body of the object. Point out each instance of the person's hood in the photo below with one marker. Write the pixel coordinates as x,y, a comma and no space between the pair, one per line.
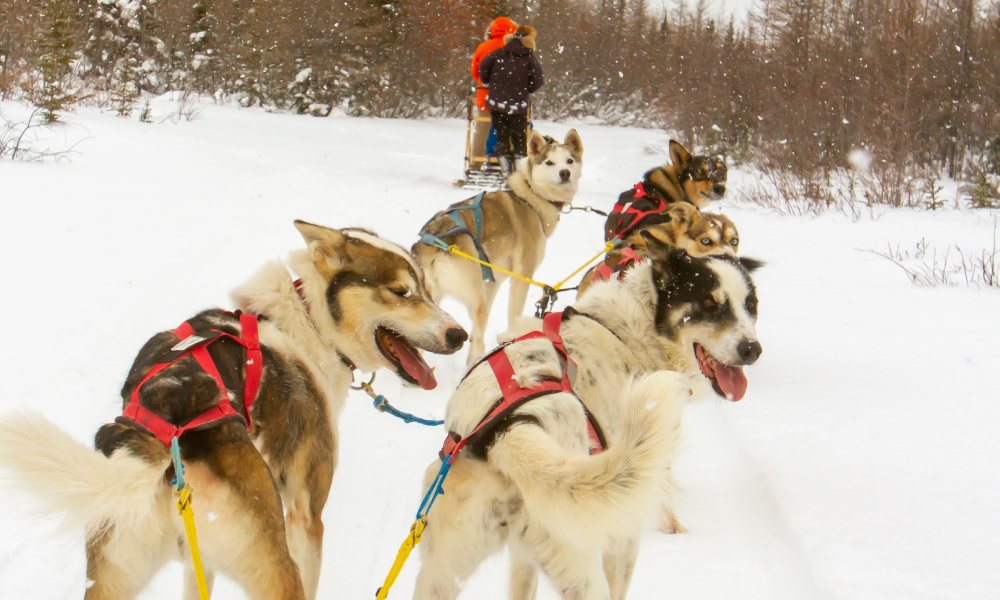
502,26
525,34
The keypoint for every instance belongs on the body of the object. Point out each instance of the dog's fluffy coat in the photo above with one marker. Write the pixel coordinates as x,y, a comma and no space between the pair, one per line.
516,227
259,497
535,489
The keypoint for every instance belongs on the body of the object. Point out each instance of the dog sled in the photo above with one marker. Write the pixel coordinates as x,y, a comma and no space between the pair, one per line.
481,170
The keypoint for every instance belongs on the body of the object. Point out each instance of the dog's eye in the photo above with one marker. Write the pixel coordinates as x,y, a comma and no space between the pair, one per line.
735,242
402,292
549,163
751,305
706,241
569,161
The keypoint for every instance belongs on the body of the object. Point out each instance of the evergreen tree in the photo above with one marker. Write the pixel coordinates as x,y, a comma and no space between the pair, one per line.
202,48
54,92
116,50
982,193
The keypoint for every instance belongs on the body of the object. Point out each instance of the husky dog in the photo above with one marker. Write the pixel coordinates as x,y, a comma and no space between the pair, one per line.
511,233
530,484
359,302
681,226
693,179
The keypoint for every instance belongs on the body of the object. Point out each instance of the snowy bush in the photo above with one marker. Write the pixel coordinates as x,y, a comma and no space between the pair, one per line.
930,266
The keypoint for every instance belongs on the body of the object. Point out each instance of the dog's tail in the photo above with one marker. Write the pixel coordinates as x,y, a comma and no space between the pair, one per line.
91,490
615,490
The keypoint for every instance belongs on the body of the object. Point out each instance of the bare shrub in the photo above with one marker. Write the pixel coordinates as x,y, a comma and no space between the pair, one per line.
14,137
784,192
928,266
187,109
19,140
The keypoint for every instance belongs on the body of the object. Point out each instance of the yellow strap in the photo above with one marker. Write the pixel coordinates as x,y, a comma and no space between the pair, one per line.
454,250
412,539
607,248
184,508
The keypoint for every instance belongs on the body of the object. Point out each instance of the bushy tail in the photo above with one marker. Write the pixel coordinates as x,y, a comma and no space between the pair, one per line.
67,477
611,492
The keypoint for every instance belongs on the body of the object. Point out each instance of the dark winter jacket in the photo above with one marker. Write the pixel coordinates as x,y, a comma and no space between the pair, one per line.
512,73
500,28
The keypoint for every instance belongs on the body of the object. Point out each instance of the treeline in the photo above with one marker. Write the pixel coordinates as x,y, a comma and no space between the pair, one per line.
916,83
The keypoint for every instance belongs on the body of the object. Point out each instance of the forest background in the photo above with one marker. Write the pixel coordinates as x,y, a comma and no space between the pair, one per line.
877,100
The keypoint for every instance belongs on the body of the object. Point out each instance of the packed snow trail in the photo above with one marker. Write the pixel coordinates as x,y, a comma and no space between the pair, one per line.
859,466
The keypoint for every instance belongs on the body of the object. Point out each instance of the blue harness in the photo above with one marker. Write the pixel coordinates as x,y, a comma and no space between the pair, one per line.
477,238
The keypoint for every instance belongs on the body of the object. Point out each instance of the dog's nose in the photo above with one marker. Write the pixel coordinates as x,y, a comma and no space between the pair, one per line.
455,337
749,351
720,190
564,174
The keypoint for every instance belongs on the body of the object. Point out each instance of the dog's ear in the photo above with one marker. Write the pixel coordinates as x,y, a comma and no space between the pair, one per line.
751,264
660,271
682,212
574,142
669,264
324,244
536,144
679,154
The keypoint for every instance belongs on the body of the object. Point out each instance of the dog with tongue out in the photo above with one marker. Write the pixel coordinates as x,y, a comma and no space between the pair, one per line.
706,315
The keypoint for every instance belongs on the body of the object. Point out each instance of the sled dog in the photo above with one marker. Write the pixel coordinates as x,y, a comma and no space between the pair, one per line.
359,303
530,483
681,226
510,231
694,179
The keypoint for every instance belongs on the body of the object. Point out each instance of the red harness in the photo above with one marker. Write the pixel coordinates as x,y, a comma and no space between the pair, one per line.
197,347
603,272
635,216
514,395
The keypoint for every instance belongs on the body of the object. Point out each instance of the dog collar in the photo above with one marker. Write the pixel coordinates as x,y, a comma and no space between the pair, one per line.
347,362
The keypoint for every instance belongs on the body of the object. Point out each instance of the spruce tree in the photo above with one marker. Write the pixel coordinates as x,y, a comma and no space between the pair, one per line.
54,92
202,47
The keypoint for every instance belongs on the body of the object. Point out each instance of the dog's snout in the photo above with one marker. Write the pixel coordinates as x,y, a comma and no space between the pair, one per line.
455,336
749,351
565,174
720,190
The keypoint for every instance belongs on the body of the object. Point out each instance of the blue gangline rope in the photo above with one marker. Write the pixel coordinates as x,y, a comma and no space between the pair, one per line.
382,405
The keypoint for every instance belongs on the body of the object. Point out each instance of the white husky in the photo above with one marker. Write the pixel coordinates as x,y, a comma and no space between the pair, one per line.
530,482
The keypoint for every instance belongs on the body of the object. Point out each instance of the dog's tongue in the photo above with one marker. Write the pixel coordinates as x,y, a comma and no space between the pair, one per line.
731,380
411,362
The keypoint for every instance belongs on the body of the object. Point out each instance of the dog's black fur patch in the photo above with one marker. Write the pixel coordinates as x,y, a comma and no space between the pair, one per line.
341,281
683,280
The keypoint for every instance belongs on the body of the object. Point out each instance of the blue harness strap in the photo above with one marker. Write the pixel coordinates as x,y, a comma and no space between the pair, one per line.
477,238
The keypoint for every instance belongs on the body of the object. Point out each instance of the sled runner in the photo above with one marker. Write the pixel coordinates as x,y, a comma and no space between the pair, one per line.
482,171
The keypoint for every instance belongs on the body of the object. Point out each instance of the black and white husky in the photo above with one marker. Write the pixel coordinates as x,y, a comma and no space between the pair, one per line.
638,346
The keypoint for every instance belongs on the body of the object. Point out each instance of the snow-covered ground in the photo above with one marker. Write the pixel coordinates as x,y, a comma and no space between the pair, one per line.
861,464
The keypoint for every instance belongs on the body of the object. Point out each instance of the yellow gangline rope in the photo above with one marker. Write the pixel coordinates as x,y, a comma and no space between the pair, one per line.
607,248
184,500
412,539
184,508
